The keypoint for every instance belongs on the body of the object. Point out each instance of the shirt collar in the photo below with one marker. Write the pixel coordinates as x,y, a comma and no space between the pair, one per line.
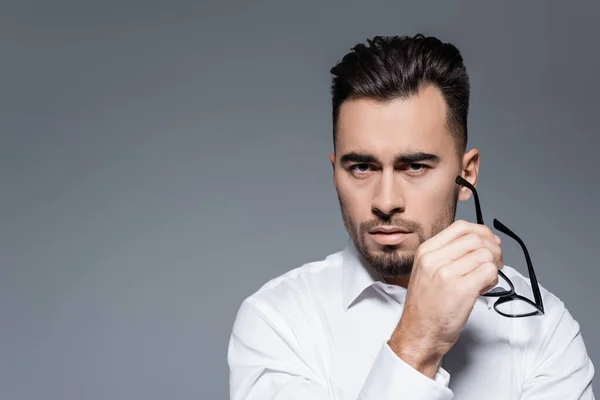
357,277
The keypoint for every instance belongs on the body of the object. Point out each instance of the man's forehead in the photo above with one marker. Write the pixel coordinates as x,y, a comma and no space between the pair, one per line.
386,147
393,142
414,124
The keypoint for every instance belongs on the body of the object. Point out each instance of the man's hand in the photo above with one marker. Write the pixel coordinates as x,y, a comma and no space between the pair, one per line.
450,270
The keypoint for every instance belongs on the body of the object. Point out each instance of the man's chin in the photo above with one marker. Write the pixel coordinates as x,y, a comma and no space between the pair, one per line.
394,259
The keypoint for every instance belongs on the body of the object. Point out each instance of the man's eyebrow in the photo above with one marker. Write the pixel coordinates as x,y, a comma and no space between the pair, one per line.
405,158
416,157
356,157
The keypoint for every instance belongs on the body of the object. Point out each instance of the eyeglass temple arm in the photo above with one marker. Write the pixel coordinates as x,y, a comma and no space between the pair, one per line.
534,287
463,182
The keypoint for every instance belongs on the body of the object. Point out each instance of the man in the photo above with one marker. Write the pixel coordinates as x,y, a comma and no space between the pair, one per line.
400,313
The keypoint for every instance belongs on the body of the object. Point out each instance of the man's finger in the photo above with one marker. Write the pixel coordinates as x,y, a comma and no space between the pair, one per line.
481,278
457,229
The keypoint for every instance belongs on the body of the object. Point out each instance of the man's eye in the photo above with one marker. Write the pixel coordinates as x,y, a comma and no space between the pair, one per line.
417,169
361,167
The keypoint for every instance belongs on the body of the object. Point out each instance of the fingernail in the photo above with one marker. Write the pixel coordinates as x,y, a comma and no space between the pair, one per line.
498,240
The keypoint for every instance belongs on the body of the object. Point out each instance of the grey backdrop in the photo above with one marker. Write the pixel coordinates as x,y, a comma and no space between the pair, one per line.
162,160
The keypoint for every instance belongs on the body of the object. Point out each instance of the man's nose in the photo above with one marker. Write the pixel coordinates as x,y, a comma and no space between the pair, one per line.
388,198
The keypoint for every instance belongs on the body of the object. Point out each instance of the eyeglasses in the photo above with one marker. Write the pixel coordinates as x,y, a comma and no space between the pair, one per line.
509,303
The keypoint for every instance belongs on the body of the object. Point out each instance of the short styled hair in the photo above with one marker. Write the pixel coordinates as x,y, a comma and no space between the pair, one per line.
392,67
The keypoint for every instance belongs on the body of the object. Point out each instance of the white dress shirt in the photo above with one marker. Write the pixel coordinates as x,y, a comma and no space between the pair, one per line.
320,332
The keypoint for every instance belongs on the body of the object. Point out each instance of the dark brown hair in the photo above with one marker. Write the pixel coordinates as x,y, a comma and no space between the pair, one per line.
390,67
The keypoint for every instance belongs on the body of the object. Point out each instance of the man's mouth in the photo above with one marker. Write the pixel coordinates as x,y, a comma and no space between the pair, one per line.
389,235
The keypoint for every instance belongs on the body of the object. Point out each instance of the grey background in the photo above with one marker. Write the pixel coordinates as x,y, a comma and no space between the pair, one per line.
160,161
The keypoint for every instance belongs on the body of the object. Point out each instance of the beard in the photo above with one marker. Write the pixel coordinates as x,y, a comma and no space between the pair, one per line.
390,262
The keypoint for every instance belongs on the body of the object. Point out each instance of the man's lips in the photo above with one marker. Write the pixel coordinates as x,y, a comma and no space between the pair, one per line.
388,230
389,235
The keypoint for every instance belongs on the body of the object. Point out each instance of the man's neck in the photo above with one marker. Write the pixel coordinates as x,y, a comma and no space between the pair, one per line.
402,281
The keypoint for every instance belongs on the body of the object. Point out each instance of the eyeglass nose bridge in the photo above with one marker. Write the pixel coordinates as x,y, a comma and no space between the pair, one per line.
513,298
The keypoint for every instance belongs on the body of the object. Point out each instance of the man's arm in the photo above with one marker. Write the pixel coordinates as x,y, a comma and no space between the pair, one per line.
562,369
266,362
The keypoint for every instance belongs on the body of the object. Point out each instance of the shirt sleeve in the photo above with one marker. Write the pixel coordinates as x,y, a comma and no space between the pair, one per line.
562,369
392,378
266,362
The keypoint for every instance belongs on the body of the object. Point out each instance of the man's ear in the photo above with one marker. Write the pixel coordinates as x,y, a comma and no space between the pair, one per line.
332,159
470,172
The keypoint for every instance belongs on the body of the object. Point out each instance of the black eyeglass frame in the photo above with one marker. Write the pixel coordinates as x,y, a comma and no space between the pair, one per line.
508,295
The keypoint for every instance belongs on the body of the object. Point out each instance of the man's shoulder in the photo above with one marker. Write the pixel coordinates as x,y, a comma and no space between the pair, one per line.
555,310
298,283
552,341
523,287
